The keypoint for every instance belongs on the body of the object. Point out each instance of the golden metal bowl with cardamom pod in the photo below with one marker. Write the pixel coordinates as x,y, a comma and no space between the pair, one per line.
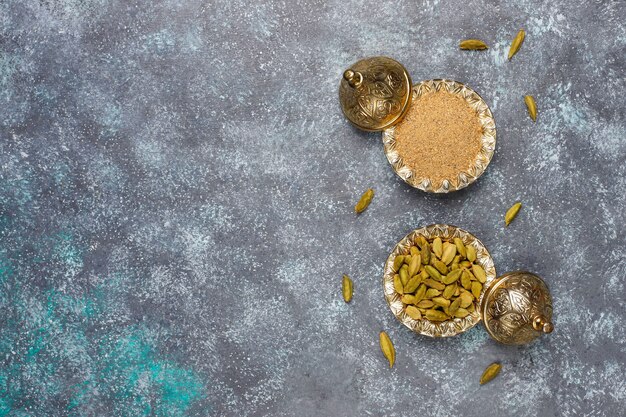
516,307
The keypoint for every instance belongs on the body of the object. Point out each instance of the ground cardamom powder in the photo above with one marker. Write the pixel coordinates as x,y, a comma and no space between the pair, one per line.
439,137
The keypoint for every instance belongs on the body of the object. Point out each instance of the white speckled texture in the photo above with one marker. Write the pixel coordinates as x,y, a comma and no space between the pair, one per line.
176,208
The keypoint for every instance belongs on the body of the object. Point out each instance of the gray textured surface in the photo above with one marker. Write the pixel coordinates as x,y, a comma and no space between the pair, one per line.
176,194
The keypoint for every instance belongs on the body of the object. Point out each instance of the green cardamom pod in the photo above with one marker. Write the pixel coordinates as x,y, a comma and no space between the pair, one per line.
397,262
532,107
479,273
512,213
460,247
473,44
346,286
490,373
453,276
397,284
476,289
461,313
441,267
431,292
413,312
413,283
517,43
449,291
425,304
449,252
434,315
434,274
414,250
466,281
404,276
466,299
440,301
425,252
471,253
408,299
420,293
387,347
438,247
454,306
414,265
364,201
434,284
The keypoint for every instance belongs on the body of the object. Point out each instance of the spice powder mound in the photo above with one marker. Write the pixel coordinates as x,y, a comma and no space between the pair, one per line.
439,137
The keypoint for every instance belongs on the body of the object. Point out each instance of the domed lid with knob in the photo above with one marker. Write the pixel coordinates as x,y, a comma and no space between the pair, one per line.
375,93
517,308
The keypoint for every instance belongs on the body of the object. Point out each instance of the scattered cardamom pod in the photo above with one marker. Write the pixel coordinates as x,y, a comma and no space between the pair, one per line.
532,107
387,347
413,312
517,43
346,287
479,273
490,373
364,201
473,44
512,213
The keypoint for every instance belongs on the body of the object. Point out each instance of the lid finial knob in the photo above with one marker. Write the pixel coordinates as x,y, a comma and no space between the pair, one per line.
354,78
540,323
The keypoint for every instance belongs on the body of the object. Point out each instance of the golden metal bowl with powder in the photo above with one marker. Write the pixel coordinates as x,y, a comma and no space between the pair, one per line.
446,139
438,135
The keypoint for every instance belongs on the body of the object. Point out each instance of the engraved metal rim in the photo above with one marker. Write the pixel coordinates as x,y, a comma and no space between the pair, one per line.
450,327
488,139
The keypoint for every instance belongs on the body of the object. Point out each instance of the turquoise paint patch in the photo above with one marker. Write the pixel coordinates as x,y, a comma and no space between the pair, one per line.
62,348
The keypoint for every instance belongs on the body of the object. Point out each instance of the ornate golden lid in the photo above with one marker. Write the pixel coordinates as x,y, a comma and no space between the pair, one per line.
375,93
517,308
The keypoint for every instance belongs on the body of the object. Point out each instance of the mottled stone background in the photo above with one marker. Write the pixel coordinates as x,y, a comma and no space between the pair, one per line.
176,208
